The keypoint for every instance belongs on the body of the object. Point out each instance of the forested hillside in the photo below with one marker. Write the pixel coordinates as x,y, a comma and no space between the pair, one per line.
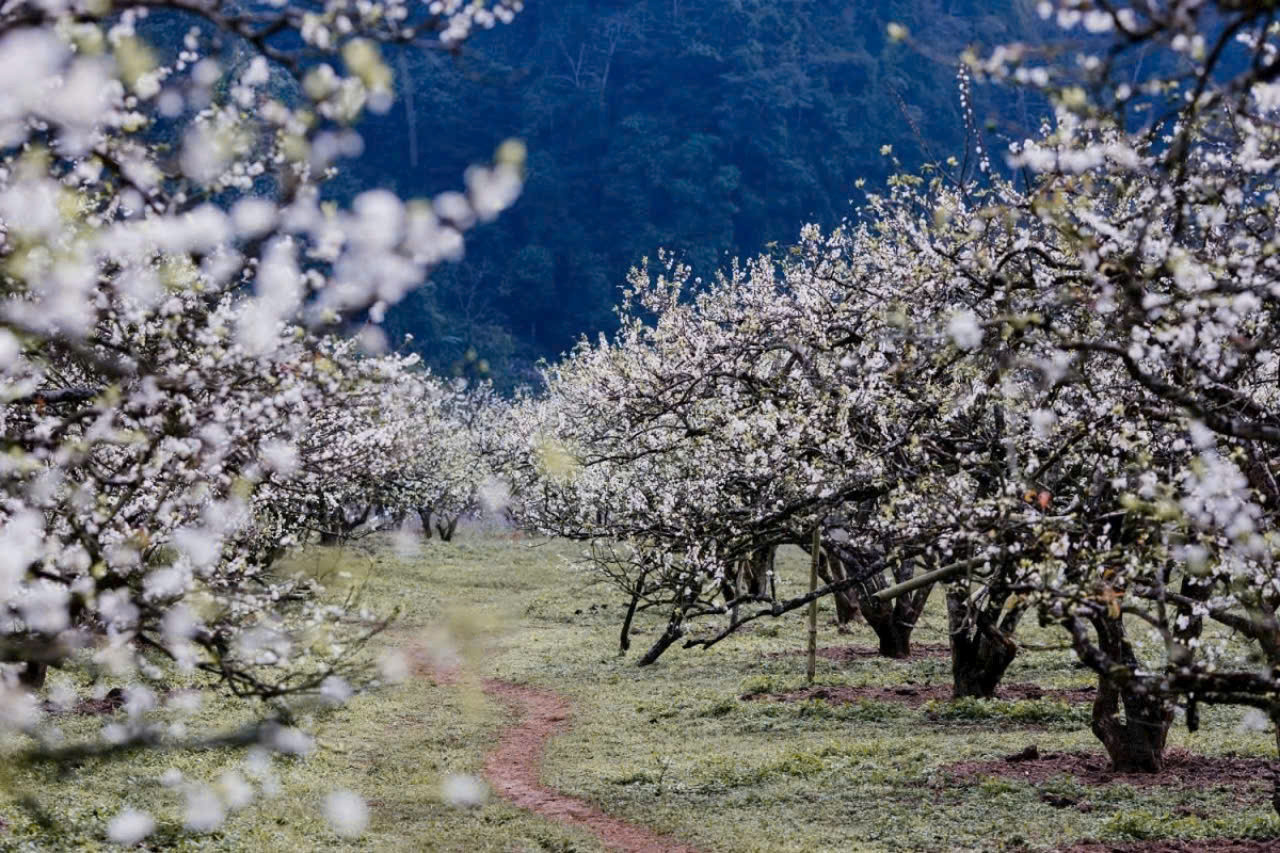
706,127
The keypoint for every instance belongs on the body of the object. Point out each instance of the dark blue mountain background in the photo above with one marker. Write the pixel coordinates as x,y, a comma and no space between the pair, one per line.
709,127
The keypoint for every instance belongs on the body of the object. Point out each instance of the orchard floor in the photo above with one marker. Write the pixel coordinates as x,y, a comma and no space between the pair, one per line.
674,748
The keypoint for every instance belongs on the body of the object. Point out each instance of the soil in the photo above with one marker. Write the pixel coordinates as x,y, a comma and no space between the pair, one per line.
1216,845
109,704
514,767
915,695
424,664
1251,776
846,654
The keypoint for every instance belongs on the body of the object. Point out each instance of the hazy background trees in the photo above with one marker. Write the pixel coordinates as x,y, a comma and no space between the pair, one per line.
704,127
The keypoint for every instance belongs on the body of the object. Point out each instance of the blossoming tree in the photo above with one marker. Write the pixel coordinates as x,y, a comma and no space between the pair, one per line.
178,408
1052,391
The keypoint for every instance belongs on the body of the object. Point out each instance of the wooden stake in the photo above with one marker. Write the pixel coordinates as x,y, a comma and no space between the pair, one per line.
925,579
813,605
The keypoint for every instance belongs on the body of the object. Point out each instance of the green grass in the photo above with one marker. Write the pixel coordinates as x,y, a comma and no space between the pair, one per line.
1045,712
670,746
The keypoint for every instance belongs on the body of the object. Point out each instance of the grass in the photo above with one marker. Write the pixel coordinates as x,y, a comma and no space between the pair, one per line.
670,746
1046,712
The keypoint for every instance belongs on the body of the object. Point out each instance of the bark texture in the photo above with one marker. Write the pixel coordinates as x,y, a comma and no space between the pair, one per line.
1136,741
981,635
894,620
831,570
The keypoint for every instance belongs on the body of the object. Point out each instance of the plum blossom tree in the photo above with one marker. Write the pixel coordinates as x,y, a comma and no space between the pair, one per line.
1138,289
768,404
442,468
1053,391
178,409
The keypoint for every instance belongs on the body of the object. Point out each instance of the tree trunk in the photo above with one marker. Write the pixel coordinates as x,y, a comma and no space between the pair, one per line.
675,630
754,571
624,639
1135,743
331,534
893,621
894,636
750,580
982,645
445,529
978,664
33,674
340,527
424,515
831,570
675,626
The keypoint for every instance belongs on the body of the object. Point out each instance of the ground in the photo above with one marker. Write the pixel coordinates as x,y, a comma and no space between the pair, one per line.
701,747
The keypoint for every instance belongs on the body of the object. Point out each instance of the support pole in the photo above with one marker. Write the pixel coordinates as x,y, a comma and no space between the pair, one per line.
813,605
927,578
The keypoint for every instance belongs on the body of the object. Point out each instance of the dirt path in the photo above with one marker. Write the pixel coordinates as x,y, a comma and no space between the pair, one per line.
513,770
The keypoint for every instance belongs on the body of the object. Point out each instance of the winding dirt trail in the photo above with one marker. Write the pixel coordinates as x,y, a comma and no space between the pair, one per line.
513,770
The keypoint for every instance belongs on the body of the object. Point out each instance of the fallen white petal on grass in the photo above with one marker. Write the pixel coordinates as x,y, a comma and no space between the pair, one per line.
464,791
205,812
347,813
130,827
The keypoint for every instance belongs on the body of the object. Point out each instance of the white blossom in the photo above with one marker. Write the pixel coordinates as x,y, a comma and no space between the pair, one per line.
464,791
130,826
347,813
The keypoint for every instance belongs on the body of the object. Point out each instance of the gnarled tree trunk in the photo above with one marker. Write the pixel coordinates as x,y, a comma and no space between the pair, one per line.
982,644
894,620
751,580
340,526
831,570
674,631
675,624
1135,743
331,535
624,638
33,674
446,528
757,571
